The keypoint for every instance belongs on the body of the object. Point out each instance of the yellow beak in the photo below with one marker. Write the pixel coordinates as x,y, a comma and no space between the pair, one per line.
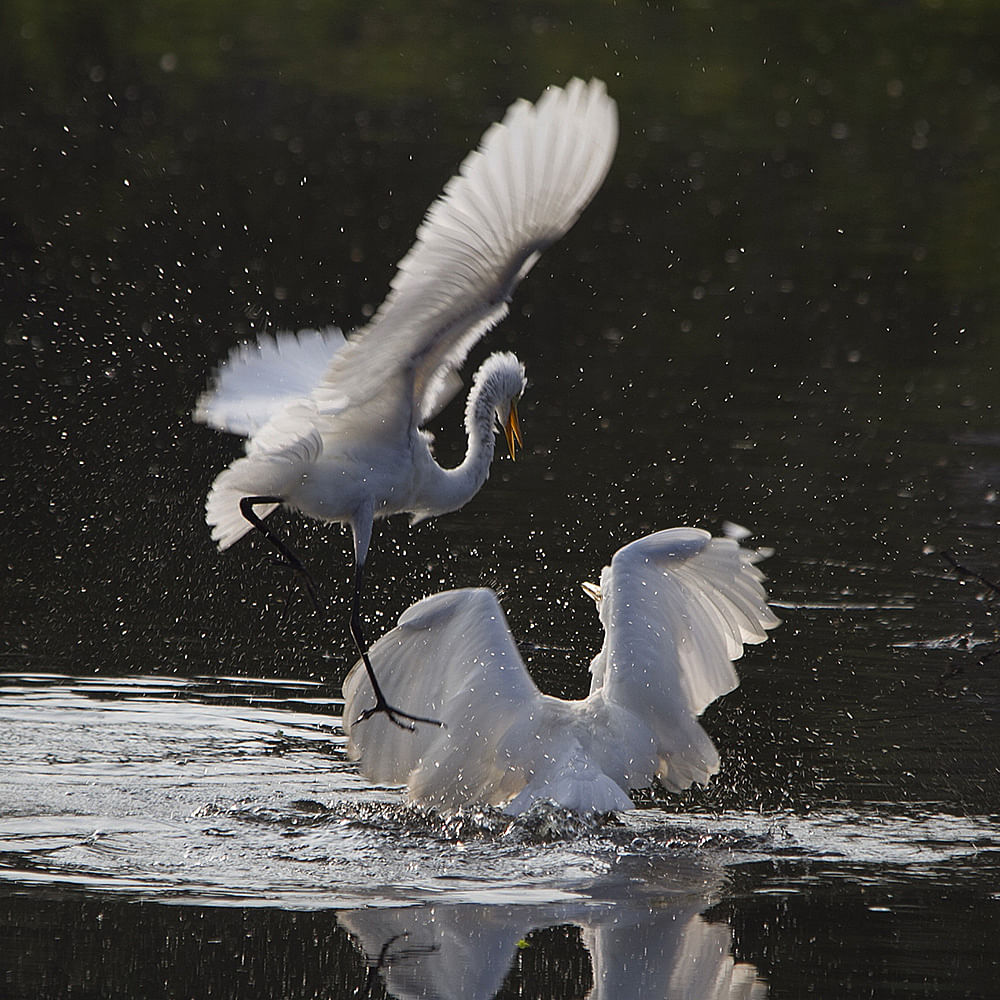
512,430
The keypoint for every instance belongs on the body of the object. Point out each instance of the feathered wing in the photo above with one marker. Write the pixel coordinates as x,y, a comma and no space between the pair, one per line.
677,607
636,949
301,396
450,658
520,191
262,392
462,952
260,378
666,950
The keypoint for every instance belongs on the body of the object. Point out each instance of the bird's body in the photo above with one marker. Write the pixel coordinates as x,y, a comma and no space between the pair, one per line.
334,426
341,470
677,607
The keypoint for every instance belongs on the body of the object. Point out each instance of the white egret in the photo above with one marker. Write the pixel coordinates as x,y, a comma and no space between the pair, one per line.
334,426
676,606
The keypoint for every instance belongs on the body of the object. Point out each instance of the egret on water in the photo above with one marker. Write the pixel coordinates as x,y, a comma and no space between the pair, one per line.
677,607
334,426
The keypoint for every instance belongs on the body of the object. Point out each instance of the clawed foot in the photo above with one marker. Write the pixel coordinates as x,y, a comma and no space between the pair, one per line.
381,703
395,715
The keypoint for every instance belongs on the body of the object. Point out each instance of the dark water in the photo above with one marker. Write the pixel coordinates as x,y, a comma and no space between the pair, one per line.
780,310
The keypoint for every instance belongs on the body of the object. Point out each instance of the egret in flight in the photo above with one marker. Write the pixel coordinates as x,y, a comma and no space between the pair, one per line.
334,426
677,607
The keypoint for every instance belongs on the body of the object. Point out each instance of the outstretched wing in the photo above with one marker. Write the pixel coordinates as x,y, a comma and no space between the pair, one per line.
260,378
528,182
677,607
450,658
262,391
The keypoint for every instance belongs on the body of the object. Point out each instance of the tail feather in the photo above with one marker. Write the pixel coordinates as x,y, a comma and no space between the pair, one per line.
575,782
259,473
223,514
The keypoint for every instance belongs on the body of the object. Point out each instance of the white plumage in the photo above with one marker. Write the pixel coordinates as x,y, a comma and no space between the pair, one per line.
639,946
260,379
334,426
317,401
677,607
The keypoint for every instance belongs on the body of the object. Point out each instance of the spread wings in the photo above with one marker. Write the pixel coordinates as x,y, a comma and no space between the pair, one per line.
677,608
522,189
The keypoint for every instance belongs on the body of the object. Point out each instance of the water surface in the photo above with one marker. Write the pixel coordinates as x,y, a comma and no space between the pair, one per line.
167,802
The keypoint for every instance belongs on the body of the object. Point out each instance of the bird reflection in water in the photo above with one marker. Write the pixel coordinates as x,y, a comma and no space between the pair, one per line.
649,949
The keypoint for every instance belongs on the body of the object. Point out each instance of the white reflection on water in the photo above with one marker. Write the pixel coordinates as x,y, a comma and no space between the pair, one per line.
238,792
636,949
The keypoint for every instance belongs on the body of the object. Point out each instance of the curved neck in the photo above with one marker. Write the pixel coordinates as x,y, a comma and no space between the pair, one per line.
449,489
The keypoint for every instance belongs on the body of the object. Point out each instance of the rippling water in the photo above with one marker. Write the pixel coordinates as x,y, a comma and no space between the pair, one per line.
235,793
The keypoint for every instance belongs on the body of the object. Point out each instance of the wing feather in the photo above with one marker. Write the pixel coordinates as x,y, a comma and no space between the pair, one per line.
451,658
277,457
520,191
260,378
677,607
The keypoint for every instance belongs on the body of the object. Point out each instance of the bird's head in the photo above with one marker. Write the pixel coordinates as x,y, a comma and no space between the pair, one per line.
501,383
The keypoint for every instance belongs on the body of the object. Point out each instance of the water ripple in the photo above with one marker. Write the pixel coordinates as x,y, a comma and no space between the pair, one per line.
240,790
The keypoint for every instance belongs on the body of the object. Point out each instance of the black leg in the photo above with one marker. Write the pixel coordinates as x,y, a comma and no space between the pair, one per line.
291,560
381,704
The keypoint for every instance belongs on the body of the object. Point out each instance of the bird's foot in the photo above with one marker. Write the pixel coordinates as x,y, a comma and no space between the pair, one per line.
395,716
